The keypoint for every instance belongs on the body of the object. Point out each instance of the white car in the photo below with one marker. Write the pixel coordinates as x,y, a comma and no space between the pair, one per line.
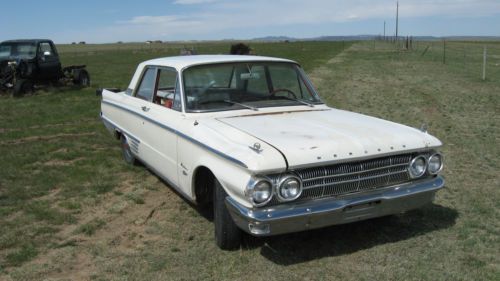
250,136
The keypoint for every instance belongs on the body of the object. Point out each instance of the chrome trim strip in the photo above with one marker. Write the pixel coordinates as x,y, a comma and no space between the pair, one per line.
225,156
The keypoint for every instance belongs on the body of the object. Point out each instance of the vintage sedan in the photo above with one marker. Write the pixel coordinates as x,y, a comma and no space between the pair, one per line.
250,137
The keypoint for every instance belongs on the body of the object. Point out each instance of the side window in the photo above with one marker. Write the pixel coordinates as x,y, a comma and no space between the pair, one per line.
46,47
147,85
168,91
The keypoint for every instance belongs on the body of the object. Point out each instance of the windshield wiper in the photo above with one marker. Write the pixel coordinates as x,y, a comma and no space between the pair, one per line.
297,100
242,104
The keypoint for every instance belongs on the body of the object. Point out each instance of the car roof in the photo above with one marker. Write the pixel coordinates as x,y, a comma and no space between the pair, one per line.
180,62
26,41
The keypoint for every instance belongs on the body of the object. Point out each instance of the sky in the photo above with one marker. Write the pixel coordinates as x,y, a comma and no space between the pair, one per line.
107,21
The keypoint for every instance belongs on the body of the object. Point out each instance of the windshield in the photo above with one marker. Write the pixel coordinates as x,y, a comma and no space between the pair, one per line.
249,85
17,50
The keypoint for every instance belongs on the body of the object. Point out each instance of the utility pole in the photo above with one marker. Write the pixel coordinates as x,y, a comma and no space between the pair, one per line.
397,19
384,30
444,51
484,63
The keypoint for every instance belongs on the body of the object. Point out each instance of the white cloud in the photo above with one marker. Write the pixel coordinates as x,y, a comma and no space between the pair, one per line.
261,13
234,18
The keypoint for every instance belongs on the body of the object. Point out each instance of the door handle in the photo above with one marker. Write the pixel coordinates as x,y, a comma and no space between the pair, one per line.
145,109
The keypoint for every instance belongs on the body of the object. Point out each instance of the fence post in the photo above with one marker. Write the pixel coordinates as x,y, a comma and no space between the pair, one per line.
484,63
444,51
464,57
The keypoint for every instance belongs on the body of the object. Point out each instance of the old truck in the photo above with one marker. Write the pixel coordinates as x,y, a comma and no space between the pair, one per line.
25,64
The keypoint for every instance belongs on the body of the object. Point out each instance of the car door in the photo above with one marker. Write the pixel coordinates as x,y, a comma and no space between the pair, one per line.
150,119
49,65
162,116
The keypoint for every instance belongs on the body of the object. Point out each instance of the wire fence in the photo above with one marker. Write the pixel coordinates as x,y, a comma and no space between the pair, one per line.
477,60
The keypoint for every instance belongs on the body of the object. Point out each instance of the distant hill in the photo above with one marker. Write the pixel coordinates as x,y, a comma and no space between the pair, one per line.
371,37
276,39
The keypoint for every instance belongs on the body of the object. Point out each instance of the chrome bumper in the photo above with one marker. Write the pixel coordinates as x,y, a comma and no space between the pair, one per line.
301,216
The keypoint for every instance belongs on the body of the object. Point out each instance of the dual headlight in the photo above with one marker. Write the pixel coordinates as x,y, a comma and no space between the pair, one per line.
261,190
421,164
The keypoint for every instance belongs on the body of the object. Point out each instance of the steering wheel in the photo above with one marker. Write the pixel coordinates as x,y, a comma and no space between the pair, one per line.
275,91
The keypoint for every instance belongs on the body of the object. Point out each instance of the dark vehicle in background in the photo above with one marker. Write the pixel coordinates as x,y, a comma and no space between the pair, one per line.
25,64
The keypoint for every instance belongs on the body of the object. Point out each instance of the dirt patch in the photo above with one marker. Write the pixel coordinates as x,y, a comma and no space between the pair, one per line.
59,162
124,232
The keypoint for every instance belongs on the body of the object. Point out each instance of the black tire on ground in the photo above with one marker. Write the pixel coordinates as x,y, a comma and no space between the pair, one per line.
22,86
126,152
82,78
227,234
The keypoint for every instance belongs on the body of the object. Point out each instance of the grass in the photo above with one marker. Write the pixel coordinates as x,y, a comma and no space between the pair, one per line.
90,227
70,207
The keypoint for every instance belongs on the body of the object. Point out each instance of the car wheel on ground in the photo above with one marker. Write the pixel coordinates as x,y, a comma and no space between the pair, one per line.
227,234
82,78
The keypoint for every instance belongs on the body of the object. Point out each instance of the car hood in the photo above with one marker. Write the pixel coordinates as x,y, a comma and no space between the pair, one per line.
330,135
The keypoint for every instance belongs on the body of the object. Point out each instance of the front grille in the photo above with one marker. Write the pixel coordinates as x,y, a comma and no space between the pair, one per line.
354,177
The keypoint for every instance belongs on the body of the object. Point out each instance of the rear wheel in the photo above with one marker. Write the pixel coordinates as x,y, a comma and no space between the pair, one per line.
227,234
22,86
127,153
82,78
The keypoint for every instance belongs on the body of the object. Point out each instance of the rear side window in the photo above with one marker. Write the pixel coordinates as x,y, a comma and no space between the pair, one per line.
147,86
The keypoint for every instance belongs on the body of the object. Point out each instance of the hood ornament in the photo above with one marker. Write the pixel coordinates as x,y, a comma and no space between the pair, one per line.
256,147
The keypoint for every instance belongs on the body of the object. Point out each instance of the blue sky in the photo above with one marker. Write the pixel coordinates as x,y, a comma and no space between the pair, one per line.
112,20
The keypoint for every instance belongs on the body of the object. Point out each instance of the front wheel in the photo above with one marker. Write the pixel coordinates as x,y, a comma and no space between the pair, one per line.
227,234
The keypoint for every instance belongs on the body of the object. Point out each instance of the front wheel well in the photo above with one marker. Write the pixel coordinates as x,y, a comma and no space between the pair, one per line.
203,182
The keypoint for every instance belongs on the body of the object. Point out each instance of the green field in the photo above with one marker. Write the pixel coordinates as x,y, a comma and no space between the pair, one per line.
71,209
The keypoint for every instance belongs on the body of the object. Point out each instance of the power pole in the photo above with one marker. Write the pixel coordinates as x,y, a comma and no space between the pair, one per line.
384,30
397,19
484,63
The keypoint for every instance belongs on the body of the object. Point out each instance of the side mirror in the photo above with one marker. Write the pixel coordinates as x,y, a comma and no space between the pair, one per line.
46,53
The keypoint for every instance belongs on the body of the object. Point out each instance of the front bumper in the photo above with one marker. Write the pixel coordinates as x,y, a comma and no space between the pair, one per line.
301,216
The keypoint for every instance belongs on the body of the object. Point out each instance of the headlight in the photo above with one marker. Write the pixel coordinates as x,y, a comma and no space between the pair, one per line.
290,188
435,163
417,167
259,191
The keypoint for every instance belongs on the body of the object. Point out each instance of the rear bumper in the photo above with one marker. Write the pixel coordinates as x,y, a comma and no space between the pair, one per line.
330,211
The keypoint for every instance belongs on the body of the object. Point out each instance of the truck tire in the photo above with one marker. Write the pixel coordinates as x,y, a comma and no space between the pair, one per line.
81,78
22,86
227,234
126,152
